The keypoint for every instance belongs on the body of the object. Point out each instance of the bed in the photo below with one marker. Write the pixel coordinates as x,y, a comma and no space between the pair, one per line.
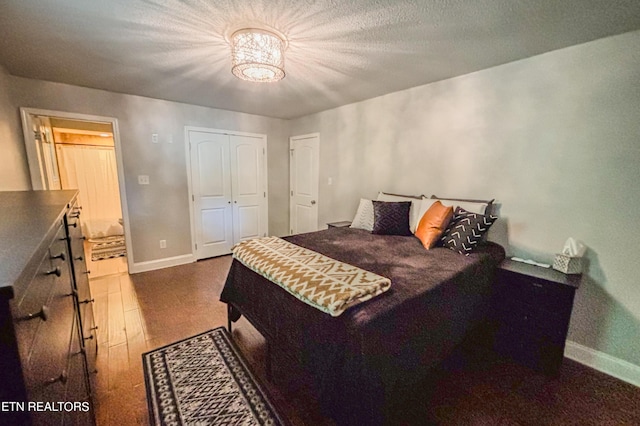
355,364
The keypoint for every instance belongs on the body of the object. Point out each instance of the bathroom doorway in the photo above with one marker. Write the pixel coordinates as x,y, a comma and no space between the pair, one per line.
73,151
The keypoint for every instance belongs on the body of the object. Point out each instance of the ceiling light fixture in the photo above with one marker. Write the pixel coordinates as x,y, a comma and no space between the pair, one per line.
257,55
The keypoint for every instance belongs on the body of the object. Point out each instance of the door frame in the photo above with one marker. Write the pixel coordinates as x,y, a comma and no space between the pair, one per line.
36,176
291,206
187,146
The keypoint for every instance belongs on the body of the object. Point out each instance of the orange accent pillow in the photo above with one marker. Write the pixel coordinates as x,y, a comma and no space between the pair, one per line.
433,223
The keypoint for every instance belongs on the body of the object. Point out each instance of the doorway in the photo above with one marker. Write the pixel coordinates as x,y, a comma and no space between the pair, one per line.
76,151
304,170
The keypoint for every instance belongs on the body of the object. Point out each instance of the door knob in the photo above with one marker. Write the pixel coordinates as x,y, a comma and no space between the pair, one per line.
313,202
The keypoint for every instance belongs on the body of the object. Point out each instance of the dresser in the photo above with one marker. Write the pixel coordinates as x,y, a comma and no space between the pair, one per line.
531,310
47,331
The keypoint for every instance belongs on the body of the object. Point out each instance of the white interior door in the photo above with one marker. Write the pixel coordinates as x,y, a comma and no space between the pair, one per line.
305,152
41,153
211,187
248,187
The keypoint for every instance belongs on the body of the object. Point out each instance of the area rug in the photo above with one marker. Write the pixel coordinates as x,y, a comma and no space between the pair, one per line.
107,247
203,380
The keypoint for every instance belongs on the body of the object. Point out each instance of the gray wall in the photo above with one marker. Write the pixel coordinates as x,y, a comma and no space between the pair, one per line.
161,209
554,138
14,172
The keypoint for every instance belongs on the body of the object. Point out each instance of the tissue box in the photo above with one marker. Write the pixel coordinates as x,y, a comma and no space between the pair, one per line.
567,264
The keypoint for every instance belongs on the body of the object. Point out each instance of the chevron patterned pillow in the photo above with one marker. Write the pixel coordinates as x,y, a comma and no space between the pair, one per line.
465,230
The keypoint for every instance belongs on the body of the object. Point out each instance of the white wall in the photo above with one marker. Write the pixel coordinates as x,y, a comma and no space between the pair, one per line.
14,172
161,209
554,138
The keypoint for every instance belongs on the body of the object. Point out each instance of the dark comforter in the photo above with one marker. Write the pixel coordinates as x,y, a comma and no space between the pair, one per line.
357,361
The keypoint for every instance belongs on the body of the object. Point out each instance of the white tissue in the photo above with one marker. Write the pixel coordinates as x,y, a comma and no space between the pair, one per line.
574,248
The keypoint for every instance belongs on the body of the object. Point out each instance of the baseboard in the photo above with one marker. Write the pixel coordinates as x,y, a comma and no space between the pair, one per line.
603,362
168,262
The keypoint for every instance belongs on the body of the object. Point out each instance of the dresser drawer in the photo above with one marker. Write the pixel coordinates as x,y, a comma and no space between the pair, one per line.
89,334
33,307
534,291
536,351
77,385
533,320
48,362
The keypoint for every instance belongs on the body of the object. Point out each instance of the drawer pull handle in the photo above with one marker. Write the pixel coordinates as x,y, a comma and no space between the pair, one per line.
61,256
537,284
87,272
57,272
75,215
74,224
89,338
42,313
88,301
79,258
62,378
94,328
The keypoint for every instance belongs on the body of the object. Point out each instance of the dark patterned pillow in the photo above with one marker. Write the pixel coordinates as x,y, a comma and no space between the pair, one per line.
391,218
465,230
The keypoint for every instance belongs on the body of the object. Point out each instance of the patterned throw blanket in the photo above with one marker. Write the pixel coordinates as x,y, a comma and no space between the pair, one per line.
322,282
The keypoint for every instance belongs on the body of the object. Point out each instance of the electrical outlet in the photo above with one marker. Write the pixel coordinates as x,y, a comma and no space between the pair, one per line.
163,243
154,138
143,180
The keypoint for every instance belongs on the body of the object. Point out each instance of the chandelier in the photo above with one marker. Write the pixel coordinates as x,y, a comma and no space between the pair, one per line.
257,55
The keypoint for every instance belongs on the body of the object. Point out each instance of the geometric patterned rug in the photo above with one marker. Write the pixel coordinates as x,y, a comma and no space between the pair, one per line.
203,380
107,247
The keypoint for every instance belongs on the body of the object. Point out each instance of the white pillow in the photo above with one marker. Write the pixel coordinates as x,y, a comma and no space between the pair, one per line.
364,216
414,212
470,206
424,206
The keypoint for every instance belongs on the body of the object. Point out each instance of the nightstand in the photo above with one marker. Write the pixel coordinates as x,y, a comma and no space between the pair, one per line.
342,224
531,309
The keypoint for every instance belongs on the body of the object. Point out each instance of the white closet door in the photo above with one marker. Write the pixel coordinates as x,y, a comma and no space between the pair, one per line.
248,186
211,186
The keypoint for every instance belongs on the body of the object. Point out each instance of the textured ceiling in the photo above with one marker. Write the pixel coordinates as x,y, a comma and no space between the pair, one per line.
339,51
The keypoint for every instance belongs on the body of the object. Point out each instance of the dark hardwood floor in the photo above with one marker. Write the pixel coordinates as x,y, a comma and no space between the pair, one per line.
141,312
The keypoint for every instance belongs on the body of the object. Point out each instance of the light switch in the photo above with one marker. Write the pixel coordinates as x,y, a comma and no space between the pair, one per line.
143,180
154,138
